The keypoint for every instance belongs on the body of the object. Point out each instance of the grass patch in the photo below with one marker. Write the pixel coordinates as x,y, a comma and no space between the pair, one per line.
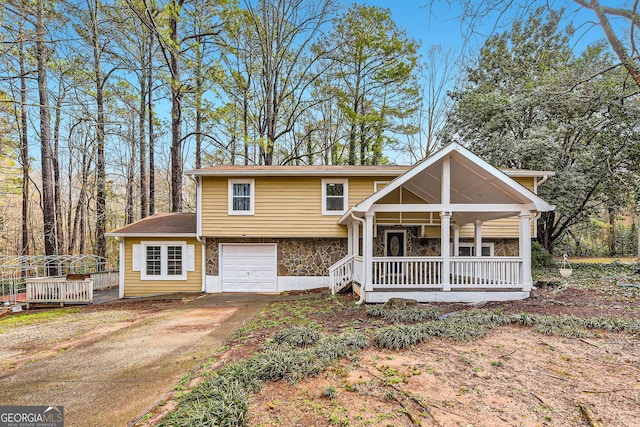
222,398
470,325
36,317
410,314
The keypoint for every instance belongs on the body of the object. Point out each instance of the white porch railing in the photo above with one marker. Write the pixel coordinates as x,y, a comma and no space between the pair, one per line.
404,271
59,291
105,280
486,272
344,272
465,272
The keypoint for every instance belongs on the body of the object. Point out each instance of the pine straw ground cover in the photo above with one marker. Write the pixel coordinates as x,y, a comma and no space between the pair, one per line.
325,361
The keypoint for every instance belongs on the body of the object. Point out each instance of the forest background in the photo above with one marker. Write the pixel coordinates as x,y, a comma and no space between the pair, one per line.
104,105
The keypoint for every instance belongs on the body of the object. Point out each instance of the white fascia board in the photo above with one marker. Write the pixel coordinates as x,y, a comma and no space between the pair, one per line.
366,204
150,234
326,172
538,204
526,173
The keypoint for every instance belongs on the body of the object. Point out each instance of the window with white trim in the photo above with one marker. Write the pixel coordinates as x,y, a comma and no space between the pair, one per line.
335,195
241,196
469,249
163,260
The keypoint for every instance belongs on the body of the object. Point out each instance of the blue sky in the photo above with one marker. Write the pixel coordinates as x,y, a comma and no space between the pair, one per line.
441,24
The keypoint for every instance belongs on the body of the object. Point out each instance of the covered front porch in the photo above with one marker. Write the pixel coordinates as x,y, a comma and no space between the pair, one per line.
452,229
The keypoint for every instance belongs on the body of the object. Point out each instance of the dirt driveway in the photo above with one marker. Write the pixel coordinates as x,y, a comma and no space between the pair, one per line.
110,375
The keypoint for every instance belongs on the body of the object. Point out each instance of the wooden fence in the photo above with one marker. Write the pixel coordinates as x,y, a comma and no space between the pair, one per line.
59,291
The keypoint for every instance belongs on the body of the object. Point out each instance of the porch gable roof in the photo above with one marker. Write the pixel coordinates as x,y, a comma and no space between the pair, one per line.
473,182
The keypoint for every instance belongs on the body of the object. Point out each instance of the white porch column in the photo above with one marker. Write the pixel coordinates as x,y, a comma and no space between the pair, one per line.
525,251
367,236
355,236
477,237
456,240
350,239
445,224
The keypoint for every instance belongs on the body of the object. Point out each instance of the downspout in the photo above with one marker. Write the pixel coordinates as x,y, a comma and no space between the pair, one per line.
364,242
539,183
122,268
203,264
536,184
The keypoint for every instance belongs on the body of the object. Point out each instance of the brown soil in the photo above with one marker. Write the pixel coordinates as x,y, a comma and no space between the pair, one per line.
513,376
109,374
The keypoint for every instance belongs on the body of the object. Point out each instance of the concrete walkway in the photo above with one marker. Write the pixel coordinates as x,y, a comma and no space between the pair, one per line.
112,379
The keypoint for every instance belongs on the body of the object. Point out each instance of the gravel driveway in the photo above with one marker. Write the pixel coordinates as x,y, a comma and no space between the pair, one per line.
110,374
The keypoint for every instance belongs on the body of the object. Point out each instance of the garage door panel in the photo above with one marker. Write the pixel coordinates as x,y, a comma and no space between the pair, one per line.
248,268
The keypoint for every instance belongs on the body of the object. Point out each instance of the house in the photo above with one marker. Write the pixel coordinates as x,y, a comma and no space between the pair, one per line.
377,228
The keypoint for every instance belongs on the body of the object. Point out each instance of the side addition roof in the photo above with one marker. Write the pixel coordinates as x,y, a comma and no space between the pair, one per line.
158,225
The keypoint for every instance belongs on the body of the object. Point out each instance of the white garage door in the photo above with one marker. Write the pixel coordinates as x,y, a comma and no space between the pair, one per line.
248,268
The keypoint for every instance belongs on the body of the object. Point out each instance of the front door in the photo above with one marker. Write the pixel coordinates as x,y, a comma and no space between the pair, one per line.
395,243
395,246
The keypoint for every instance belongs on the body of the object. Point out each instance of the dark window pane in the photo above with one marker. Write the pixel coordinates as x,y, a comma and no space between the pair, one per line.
465,251
242,197
242,203
241,189
486,251
335,203
154,264
335,190
174,260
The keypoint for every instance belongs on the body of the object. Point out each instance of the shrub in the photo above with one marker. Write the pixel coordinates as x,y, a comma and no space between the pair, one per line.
299,336
540,257
410,314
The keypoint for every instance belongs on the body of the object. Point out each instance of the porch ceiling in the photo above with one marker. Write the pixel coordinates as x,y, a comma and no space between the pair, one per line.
472,182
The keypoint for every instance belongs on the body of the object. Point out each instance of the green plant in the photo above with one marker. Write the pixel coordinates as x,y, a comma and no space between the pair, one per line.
299,336
330,392
540,257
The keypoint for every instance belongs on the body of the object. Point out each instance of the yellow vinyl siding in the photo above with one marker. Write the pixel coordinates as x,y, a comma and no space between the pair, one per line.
526,181
291,206
134,287
496,229
284,207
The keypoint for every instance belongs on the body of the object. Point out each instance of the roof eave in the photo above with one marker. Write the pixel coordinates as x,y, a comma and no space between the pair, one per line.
133,234
393,172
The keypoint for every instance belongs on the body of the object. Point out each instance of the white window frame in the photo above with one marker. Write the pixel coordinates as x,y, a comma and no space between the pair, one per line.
252,194
139,260
472,247
345,196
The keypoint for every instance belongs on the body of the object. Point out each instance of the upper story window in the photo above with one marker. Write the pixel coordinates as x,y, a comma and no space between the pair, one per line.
335,196
241,196
163,260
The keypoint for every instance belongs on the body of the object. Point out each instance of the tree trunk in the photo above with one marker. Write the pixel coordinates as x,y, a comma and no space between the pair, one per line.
611,235
176,118
57,196
45,137
24,155
143,146
130,179
101,218
152,166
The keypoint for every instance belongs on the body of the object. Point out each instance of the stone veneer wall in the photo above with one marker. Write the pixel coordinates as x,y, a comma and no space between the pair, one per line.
417,246
296,257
